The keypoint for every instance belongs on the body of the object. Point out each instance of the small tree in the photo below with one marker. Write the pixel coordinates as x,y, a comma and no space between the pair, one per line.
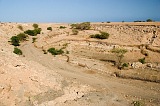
15,41
120,54
17,51
149,20
35,26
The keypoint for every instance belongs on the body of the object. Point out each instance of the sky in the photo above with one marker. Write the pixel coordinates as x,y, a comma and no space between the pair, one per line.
78,10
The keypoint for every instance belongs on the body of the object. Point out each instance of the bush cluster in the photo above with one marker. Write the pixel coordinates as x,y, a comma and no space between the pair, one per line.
22,36
49,28
102,35
15,40
17,51
82,26
33,32
62,27
54,51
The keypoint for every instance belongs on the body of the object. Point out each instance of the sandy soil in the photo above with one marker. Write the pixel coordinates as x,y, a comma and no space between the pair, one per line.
38,79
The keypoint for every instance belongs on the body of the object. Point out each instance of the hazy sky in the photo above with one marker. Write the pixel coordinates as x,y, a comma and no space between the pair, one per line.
78,10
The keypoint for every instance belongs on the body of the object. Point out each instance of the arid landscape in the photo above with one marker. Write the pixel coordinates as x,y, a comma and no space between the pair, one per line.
103,64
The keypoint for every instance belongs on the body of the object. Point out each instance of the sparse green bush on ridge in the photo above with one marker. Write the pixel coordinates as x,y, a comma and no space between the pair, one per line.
33,32
49,28
62,27
35,26
17,51
54,51
102,35
15,40
82,26
20,27
34,40
22,36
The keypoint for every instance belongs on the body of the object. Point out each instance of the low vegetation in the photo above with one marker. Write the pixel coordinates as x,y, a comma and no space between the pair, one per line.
74,31
49,28
17,51
62,27
22,36
15,41
102,35
137,103
81,26
35,26
33,32
124,65
34,40
54,51
142,60
20,27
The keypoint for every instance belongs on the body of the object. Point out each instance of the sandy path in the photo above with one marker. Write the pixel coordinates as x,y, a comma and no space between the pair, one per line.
106,85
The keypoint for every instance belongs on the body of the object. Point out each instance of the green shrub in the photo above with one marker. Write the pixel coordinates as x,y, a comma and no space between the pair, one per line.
30,32
124,65
62,27
17,51
74,31
20,27
37,30
82,26
67,52
49,28
15,40
35,26
33,40
33,32
54,51
103,35
137,103
22,36
142,60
